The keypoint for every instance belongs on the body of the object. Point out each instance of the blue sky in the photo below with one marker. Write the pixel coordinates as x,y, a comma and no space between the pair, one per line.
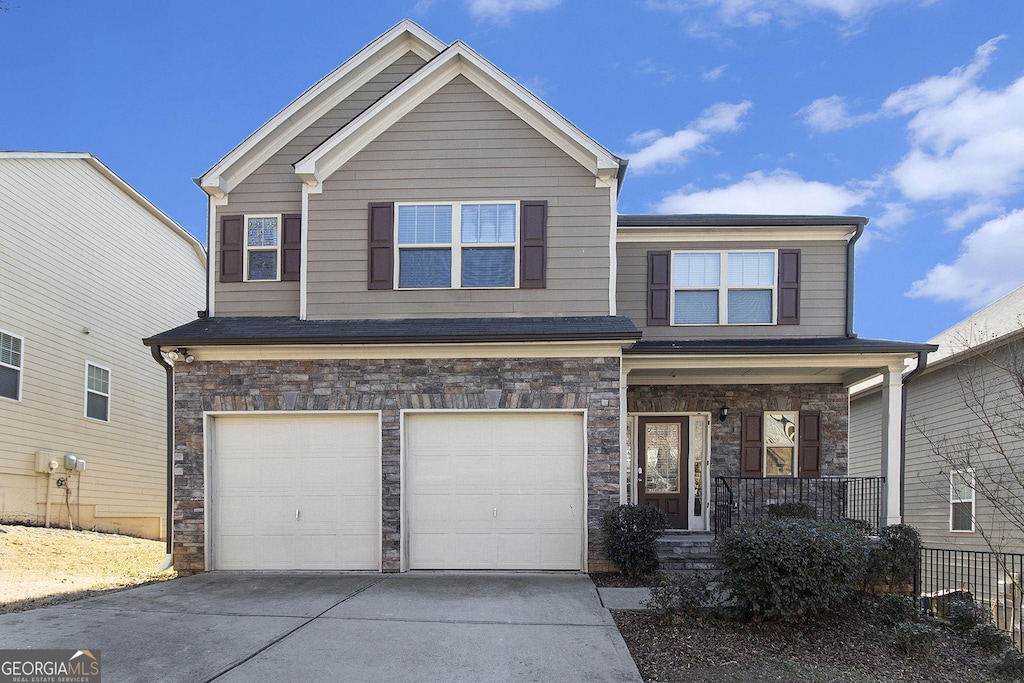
910,112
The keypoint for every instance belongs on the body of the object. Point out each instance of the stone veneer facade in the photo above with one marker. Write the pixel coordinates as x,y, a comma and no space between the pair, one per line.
390,386
831,399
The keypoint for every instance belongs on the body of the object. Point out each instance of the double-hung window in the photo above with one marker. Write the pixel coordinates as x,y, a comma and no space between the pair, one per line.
961,500
10,366
724,287
262,248
457,245
97,392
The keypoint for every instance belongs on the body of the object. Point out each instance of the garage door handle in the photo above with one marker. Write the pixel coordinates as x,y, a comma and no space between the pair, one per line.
296,515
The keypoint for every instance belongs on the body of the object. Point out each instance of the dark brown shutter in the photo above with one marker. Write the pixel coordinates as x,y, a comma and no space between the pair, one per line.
810,444
291,247
232,248
381,237
658,274
789,286
533,249
751,446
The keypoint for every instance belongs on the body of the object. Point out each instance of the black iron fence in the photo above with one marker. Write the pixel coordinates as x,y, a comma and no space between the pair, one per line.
740,499
991,579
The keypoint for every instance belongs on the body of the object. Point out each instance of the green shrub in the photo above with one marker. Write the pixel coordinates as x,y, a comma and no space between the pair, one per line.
791,511
1009,665
916,639
631,534
893,558
964,615
790,568
676,595
898,609
991,638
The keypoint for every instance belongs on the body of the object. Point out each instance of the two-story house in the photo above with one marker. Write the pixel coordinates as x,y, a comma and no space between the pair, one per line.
90,265
432,343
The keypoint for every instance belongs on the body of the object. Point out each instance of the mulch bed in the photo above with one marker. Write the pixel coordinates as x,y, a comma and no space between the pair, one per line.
855,645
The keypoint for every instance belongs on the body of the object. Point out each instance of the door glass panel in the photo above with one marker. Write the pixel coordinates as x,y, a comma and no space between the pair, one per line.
661,441
699,437
629,460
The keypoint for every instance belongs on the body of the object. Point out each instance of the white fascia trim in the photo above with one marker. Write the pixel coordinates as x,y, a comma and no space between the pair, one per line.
404,37
304,255
838,361
457,60
724,233
601,349
613,261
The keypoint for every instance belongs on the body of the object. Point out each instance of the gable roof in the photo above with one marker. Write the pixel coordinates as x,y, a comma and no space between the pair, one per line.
327,93
457,60
993,324
120,184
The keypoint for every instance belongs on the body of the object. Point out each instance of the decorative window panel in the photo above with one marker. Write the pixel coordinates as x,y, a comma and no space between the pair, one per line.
262,247
780,438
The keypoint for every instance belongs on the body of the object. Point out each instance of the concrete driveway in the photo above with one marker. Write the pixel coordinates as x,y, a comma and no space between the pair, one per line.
340,627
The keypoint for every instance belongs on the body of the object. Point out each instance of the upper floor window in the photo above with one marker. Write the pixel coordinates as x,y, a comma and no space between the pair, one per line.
262,247
10,366
457,245
961,500
97,392
724,287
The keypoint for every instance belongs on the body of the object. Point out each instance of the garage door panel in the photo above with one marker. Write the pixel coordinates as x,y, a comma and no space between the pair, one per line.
266,467
494,491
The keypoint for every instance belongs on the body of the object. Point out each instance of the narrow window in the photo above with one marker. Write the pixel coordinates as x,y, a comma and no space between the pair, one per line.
10,366
696,279
425,246
489,245
961,500
97,392
262,247
780,437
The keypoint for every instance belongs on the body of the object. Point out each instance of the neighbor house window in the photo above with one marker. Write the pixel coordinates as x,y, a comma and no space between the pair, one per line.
10,366
97,392
780,439
961,500
724,287
457,245
262,247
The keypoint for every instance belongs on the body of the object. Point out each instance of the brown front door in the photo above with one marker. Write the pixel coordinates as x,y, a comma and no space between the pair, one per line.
664,453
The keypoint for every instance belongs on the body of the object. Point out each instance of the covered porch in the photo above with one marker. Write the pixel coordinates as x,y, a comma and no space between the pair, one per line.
719,432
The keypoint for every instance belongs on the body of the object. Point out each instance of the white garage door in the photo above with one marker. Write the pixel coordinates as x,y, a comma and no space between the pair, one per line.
495,490
295,492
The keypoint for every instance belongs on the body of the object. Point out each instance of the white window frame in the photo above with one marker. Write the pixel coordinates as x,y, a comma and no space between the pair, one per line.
456,245
19,368
723,287
276,248
85,408
795,416
968,476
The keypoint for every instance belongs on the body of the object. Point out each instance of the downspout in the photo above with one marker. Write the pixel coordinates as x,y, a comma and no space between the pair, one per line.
849,279
159,358
922,363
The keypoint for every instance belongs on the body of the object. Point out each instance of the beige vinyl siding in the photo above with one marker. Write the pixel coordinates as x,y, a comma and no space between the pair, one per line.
460,145
274,188
822,291
79,254
866,435
936,408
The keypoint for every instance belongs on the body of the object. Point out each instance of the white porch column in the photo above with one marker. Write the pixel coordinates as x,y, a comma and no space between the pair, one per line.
892,430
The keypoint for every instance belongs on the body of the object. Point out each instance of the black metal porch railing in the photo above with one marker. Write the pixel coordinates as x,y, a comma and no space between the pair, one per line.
991,579
736,500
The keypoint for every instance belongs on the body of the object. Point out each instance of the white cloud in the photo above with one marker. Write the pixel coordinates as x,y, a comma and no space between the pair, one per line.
672,150
987,268
713,74
828,114
777,192
939,90
502,10
894,215
760,12
974,211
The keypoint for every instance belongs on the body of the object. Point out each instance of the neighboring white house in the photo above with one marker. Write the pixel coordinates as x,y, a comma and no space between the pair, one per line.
90,267
964,432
